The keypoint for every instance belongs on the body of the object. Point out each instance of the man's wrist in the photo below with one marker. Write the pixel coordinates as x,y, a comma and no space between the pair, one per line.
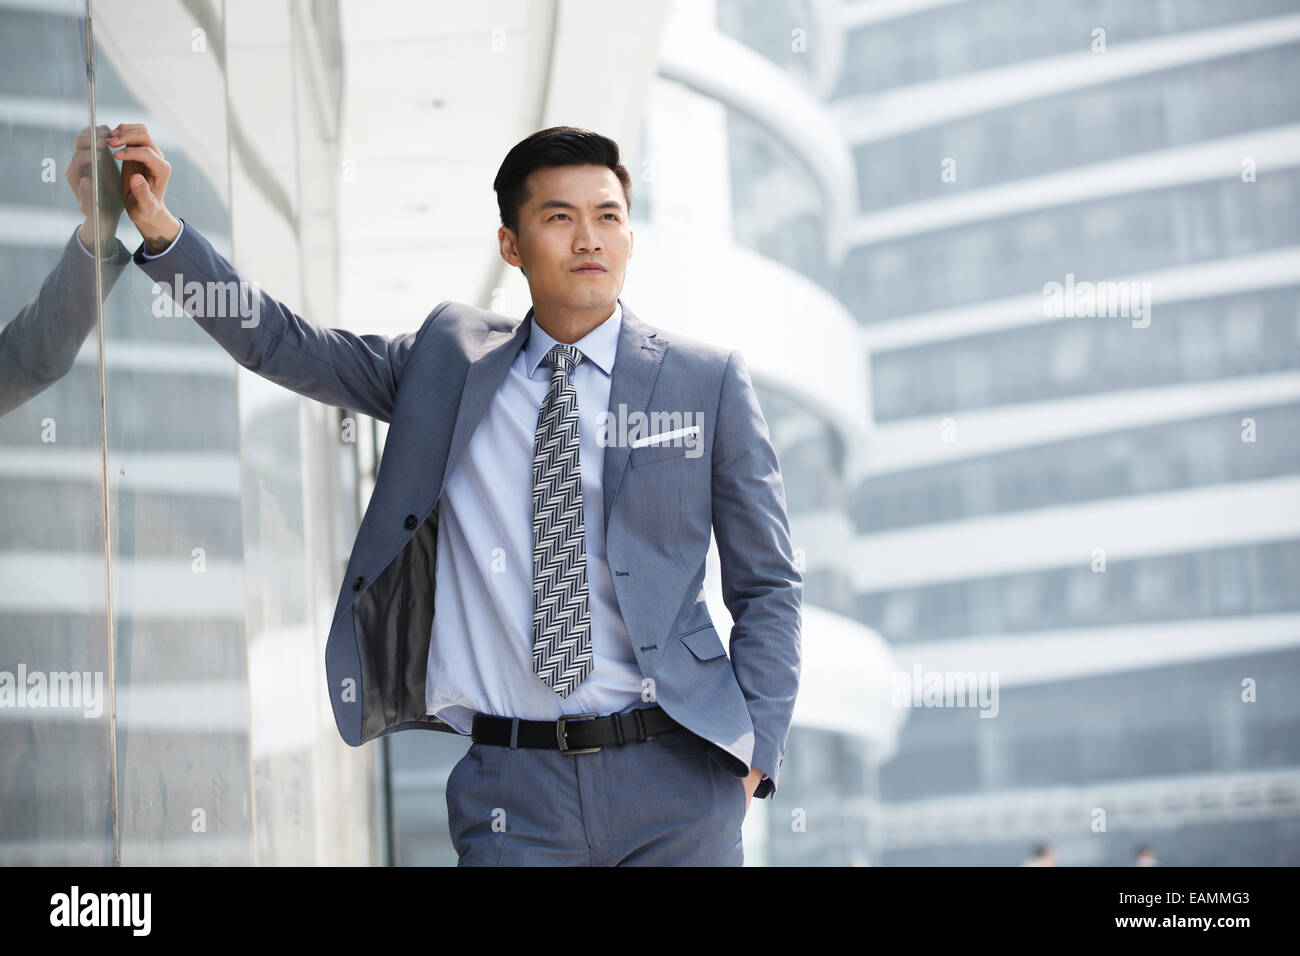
107,239
157,237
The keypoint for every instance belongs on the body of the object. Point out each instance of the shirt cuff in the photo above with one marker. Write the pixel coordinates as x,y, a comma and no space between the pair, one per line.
146,254
108,258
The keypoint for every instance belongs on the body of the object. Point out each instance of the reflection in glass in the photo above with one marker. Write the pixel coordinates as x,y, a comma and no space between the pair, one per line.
56,803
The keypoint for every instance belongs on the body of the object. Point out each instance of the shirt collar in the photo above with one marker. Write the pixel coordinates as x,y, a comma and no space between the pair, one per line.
598,346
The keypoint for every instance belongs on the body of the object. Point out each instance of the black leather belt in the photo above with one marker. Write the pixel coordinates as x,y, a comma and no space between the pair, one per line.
572,733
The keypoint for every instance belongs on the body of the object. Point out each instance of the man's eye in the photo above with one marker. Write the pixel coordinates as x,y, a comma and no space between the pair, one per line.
612,215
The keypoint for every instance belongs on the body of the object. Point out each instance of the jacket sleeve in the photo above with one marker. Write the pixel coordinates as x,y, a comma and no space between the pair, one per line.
761,585
333,366
39,346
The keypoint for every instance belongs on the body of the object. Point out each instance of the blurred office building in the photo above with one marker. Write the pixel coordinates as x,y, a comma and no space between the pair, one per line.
1097,506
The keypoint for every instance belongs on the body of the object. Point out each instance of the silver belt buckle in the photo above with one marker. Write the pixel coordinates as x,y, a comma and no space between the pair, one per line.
562,740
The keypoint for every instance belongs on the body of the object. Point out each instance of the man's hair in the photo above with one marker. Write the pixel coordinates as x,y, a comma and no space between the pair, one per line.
557,146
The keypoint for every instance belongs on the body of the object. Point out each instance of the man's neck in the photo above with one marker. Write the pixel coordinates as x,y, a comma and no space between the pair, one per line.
571,325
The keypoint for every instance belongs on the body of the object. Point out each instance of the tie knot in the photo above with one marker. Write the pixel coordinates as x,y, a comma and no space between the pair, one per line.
563,356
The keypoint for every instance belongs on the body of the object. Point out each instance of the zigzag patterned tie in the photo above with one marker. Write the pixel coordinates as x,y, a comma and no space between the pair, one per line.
561,627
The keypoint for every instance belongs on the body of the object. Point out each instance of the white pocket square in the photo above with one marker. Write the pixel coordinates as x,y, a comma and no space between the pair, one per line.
664,436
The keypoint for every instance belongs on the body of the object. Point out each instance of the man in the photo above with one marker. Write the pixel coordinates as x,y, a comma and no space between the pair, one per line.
1143,855
530,567
1041,854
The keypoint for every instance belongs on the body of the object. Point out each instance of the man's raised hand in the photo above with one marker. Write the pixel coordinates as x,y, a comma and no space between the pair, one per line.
144,182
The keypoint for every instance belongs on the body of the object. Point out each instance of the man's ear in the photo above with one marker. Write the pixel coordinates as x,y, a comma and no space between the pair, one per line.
509,247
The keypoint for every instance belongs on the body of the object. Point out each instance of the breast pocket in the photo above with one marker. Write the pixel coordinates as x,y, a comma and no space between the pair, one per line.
651,499
653,454
667,444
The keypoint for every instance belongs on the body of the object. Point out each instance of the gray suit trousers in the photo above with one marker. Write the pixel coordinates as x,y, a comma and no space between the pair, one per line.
657,802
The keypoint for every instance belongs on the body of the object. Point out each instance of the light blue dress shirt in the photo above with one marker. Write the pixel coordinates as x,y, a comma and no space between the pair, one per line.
481,646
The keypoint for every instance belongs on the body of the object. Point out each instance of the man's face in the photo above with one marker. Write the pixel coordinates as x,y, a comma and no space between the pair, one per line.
573,215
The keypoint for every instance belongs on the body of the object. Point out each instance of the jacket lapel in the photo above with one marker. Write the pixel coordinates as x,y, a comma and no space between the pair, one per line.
636,366
498,350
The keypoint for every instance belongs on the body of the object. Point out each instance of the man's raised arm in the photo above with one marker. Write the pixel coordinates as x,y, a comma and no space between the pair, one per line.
333,366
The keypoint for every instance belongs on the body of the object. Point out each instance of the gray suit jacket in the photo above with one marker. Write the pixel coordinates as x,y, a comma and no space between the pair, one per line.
432,386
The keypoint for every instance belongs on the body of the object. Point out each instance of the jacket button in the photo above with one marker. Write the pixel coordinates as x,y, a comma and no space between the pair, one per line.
356,585
410,522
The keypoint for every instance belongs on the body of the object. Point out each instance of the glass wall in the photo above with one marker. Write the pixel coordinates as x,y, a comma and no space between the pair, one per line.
183,553
173,455
56,676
